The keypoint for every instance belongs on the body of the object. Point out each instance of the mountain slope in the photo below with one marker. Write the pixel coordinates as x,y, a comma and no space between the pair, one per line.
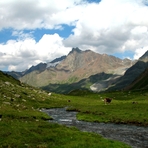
7,78
81,85
38,68
141,82
132,73
76,66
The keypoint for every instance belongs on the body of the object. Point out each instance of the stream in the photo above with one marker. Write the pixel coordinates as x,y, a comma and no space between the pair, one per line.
135,136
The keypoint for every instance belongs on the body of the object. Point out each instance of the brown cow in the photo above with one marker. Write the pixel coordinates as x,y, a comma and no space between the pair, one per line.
0,117
107,100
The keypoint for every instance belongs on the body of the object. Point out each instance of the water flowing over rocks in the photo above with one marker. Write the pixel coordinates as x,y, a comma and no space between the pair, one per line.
135,136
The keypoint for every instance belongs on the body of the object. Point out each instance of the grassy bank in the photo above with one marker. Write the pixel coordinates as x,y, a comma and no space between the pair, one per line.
126,107
41,134
28,127
24,125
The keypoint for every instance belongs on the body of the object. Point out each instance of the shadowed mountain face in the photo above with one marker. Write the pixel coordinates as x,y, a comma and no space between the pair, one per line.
84,70
141,82
132,73
68,72
83,84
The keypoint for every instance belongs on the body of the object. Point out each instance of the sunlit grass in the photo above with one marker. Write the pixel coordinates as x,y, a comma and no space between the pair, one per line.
126,107
42,134
24,125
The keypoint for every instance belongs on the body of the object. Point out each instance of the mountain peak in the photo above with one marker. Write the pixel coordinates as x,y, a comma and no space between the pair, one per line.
75,50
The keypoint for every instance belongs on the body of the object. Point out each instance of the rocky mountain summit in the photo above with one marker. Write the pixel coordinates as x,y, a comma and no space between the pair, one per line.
84,70
78,70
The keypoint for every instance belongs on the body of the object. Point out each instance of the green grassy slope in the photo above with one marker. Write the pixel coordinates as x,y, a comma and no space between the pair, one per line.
23,125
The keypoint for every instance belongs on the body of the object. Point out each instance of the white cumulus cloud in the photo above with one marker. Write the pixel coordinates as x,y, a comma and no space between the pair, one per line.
110,26
32,14
22,54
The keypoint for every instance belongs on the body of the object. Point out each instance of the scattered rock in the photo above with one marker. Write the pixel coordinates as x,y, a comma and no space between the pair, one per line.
8,103
7,83
17,95
49,94
23,100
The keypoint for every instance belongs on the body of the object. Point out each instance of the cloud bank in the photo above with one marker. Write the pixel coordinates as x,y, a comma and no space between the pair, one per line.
22,54
108,26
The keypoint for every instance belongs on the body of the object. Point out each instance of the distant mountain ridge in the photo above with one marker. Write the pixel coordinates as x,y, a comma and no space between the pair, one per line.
39,67
84,70
76,70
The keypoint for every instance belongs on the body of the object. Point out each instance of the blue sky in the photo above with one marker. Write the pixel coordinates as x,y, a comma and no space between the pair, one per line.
40,31
6,34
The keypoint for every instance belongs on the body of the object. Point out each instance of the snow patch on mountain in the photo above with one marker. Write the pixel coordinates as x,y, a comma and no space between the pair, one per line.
52,64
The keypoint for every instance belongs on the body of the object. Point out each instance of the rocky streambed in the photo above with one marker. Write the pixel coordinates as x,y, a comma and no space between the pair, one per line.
135,136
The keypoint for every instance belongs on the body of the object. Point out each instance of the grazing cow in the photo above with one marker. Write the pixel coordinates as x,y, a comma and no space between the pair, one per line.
0,117
107,100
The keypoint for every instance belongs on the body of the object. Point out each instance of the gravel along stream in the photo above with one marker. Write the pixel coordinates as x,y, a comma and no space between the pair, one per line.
135,136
